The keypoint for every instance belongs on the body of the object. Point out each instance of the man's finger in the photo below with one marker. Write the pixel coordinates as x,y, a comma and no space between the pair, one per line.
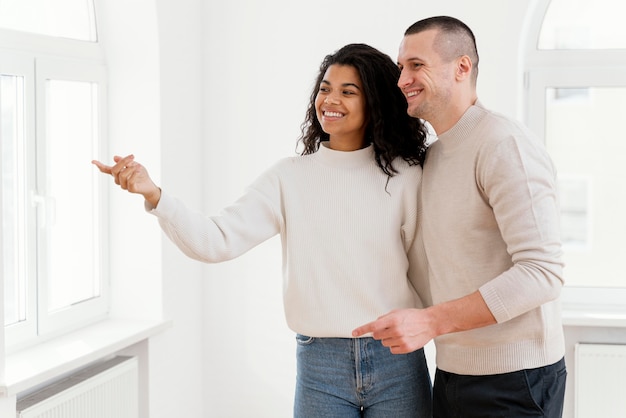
380,324
364,329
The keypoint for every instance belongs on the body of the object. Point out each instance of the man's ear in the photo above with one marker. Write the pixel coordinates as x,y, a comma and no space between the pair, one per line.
463,67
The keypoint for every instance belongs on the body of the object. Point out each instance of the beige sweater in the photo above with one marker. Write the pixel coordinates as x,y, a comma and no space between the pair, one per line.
346,235
491,222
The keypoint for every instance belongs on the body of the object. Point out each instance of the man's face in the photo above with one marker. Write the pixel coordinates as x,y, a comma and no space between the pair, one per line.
426,80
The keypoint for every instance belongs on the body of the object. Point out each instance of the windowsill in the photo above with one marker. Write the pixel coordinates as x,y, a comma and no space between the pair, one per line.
594,316
35,365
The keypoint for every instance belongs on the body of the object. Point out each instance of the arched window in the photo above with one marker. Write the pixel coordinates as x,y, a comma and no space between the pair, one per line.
53,238
576,91
583,25
72,19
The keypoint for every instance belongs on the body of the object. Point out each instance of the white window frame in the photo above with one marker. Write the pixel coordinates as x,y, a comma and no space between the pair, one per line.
93,309
570,69
41,58
22,65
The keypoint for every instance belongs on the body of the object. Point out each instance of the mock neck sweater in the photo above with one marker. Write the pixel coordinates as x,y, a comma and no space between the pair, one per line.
491,223
346,230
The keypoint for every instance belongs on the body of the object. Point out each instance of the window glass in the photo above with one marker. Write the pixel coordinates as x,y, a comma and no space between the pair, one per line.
53,226
584,24
584,136
74,19
71,218
13,197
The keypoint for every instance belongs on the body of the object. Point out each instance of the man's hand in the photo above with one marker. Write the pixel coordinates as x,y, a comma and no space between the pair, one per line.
407,330
403,331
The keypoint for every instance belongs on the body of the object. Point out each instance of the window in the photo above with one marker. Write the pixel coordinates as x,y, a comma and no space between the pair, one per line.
53,243
583,24
576,86
13,196
73,19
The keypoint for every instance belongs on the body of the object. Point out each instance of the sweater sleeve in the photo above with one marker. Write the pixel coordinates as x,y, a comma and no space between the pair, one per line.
518,179
416,253
252,219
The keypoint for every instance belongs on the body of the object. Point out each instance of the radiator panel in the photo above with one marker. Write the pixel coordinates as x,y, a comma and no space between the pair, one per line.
600,381
106,390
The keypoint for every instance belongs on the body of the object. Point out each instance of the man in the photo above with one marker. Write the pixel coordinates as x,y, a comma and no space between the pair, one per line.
490,225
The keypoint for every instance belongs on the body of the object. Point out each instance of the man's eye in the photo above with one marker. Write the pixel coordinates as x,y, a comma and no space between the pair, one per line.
417,65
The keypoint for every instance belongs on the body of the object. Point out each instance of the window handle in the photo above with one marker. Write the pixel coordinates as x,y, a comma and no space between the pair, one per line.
46,209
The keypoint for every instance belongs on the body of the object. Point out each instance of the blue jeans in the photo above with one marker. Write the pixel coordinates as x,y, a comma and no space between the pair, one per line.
536,392
346,378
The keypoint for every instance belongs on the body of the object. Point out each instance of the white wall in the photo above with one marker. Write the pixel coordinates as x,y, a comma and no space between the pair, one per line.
176,356
153,51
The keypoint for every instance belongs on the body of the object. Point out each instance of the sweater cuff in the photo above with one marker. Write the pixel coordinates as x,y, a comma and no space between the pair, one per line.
494,303
164,208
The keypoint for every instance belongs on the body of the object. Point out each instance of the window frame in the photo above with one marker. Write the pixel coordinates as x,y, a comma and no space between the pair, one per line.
53,16
38,58
569,69
20,65
94,309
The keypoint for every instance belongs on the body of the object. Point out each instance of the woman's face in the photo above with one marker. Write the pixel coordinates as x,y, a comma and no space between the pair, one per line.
340,107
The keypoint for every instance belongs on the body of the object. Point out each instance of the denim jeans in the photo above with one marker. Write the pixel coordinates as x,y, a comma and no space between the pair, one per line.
346,378
536,392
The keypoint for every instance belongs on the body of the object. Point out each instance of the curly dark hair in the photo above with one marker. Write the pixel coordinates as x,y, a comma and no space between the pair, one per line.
390,129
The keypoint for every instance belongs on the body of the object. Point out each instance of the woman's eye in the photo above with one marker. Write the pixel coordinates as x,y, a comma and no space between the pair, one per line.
348,92
324,90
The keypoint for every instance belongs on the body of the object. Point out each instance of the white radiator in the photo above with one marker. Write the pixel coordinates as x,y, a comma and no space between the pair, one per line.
105,390
600,381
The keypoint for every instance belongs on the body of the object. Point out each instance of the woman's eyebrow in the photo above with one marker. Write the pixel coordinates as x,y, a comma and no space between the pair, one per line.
351,85
343,85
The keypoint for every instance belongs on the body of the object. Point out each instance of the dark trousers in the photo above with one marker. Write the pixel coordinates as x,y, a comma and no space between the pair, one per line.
526,393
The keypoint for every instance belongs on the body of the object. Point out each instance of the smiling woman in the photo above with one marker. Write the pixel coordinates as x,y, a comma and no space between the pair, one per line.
341,108
362,150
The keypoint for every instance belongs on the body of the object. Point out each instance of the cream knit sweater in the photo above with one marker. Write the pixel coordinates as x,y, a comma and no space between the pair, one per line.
346,234
491,222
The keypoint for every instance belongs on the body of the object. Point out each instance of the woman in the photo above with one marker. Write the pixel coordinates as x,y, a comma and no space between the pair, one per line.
346,211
